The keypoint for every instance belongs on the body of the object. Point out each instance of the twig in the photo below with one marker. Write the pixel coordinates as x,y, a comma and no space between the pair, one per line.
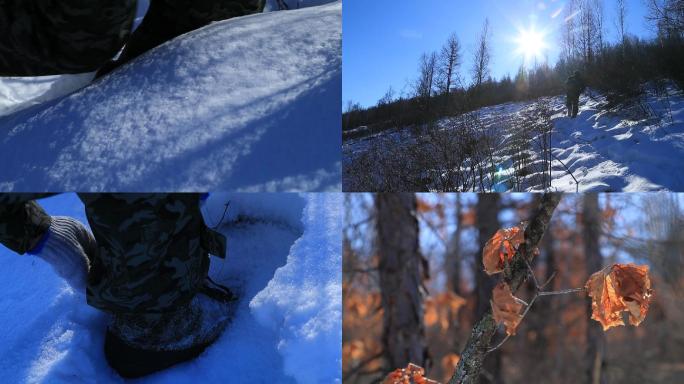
538,293
499,345
561,292
568,171
549,279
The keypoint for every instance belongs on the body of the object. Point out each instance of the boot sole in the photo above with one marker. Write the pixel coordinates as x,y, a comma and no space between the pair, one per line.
130,362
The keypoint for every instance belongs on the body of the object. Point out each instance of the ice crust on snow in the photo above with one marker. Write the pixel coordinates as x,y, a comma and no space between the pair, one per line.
251,104
285,264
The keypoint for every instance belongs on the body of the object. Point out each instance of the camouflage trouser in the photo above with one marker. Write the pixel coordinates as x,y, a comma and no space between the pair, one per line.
166,19
572,102
44,37
152,249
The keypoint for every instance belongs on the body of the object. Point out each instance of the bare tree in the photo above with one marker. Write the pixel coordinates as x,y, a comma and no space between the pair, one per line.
599,21
449,62
668,17
426,80
482,57
401,269
587,33
621,19
569,31
387,98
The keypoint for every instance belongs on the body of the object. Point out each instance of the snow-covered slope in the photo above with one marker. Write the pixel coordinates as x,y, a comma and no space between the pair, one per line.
605,151
283,256
245,104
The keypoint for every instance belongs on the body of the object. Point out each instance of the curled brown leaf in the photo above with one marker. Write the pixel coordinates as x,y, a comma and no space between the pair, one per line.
624,287
505,308
501,248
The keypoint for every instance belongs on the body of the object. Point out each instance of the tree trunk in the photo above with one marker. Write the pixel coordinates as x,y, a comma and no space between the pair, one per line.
400,272
591,217
452,261
475,351
488,207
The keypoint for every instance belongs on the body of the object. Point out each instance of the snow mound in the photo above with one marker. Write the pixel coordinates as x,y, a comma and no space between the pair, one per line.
49,334
303,302
251,103
17,93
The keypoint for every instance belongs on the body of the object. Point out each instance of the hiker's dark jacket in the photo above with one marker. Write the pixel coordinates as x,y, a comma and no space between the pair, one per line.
49,37
575,86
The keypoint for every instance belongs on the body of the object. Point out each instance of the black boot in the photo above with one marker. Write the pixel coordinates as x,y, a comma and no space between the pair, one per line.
138,345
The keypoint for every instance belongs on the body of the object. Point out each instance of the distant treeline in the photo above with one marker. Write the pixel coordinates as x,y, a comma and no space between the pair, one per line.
618,70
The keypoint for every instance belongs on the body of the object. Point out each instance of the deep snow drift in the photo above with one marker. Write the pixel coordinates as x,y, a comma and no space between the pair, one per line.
248,104
614,150
284,256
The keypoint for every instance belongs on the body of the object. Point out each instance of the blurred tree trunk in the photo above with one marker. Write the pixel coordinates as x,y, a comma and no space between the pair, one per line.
400,272
591,216
488,207
452,261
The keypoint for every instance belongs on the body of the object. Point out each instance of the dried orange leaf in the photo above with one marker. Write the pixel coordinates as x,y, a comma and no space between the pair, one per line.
412,374
505,308
501,248
624,288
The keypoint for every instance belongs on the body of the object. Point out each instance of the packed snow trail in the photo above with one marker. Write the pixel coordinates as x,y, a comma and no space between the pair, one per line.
246,104
605,151
283,257
611,152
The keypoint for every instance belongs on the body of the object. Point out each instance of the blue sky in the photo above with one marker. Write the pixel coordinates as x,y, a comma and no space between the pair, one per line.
383,39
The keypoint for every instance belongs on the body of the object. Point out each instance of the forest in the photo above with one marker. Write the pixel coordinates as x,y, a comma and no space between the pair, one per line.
502,288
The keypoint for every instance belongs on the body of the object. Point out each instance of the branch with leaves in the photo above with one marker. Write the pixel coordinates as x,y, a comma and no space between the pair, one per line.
515,274
613,290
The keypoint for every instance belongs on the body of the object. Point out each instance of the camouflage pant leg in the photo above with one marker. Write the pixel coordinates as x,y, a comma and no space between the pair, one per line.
22,221
152,255
166,19
41,37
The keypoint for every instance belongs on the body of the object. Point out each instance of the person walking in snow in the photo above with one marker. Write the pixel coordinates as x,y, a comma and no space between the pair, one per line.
574,87
39,38
145,263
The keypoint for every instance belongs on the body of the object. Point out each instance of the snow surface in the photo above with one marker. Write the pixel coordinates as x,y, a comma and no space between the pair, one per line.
283,256
247,104
605,151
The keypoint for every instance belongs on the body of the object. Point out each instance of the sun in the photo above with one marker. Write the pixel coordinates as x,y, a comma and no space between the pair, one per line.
531,44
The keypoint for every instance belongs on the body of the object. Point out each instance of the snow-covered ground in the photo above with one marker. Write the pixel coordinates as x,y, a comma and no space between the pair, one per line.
614,150
285,259
247,104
